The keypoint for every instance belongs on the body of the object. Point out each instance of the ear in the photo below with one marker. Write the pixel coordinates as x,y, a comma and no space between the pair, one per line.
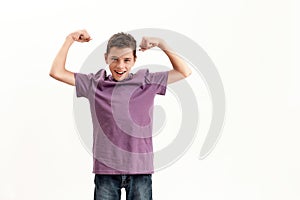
105,57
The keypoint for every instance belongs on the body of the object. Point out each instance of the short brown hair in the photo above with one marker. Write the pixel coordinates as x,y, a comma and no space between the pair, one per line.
122,40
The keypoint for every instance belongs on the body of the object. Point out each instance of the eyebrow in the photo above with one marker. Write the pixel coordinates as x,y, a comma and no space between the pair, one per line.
126,58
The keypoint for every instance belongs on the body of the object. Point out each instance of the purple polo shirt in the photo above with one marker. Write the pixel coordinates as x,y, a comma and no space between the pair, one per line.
122,113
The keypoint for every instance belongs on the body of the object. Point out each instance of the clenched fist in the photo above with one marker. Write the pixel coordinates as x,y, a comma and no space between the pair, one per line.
150,42
80,36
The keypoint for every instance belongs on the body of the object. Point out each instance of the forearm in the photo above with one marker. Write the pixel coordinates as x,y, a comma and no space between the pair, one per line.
58,69
177,62
58,65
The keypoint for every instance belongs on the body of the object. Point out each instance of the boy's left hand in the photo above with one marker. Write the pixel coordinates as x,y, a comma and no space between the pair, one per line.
149,42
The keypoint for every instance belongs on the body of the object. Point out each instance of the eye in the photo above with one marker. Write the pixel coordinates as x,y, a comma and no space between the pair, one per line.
127,60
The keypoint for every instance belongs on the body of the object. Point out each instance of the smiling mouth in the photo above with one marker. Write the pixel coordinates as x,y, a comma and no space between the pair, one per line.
120,73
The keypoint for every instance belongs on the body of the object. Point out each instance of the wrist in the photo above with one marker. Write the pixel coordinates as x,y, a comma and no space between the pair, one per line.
69,40
162,45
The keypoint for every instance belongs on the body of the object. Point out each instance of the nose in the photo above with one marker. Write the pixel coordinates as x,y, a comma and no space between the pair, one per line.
121,64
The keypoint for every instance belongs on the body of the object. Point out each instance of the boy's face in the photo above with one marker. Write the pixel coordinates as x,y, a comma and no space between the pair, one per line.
120,62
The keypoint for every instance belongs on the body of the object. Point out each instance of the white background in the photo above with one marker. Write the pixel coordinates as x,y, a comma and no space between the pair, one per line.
254,47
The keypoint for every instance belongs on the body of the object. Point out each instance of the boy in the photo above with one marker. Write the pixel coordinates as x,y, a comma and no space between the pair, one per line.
121,109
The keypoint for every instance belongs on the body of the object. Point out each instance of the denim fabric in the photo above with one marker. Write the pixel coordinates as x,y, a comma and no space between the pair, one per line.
137,187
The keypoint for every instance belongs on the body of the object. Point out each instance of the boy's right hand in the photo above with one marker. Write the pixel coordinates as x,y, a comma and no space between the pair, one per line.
80,36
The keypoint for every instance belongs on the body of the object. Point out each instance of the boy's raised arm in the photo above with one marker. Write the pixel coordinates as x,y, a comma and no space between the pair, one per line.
180,69
58,70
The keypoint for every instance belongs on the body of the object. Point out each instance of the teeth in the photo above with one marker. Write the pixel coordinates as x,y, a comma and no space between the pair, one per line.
120,72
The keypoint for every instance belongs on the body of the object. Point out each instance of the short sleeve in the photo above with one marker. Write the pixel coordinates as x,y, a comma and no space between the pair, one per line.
158,80
83,84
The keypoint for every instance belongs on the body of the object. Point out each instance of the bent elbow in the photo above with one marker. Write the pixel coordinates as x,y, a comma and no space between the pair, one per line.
188,73
53,74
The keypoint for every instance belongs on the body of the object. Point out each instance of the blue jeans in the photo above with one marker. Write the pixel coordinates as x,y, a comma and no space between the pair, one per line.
108,187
